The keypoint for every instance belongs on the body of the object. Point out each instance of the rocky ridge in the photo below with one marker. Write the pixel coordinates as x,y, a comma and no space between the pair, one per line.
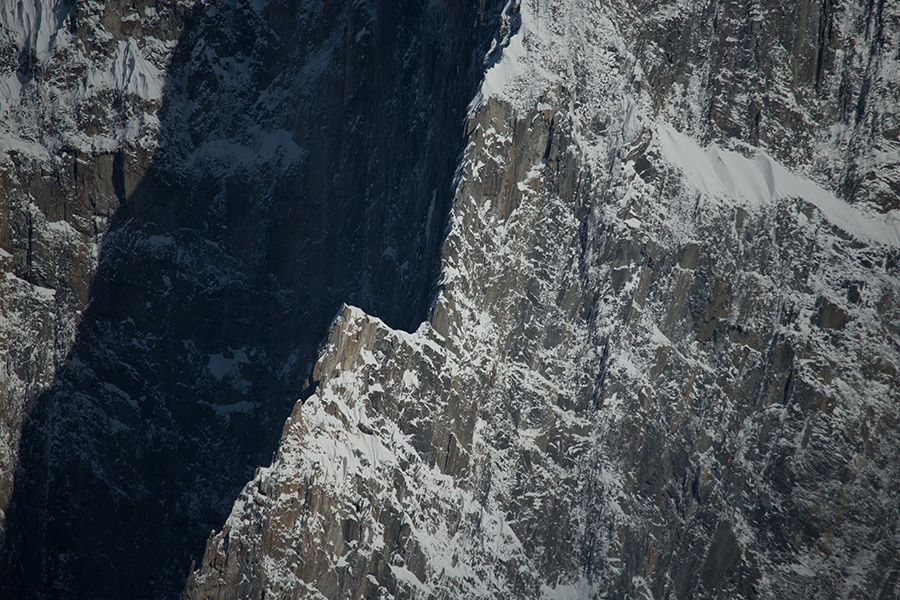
654,369
663,360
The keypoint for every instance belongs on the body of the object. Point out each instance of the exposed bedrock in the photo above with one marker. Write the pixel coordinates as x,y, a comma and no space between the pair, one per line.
653,370
608,294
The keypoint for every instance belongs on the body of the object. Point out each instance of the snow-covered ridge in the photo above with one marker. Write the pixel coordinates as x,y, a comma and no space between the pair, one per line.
761,181
521,72
348,453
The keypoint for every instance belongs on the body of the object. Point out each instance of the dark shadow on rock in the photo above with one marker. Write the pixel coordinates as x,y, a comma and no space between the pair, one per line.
307,160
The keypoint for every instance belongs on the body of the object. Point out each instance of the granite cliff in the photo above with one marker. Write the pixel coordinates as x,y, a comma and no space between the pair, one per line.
627,278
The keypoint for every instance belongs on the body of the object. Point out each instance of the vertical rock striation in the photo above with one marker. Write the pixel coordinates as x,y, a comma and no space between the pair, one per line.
812,83
662,359
654,369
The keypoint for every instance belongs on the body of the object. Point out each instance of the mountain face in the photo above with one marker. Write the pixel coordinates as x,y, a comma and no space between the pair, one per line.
544,300
251,168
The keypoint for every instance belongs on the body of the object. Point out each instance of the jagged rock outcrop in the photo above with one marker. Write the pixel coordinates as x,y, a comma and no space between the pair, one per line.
654,369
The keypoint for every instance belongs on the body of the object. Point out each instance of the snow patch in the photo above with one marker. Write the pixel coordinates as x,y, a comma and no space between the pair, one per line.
761,181
517,77
127,72
570,591
226,410
33,24
510,67
220,365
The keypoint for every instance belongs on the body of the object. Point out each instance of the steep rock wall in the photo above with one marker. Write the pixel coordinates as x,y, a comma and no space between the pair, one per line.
300,155
80,91
654,369
812,83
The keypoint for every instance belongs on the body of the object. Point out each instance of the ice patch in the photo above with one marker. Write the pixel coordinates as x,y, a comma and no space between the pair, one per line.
408,577
10,92
62,228
159,241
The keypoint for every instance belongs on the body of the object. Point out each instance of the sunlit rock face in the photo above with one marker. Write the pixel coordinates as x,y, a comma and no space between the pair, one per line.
620,316
663,362
814,84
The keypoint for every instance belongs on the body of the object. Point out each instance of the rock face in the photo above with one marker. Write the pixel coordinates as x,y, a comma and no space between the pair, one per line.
662,360
811,83
654,369
286,158
80,89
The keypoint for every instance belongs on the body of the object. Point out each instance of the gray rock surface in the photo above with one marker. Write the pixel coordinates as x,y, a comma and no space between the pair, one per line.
662,358
654,369
811,83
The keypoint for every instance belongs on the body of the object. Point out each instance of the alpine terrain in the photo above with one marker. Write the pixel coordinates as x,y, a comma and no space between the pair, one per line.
562,299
